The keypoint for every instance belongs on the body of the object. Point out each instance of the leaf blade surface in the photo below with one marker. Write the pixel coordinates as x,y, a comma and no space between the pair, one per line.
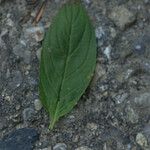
67,61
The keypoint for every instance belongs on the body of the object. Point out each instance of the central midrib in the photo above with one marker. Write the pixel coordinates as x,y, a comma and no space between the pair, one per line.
65,68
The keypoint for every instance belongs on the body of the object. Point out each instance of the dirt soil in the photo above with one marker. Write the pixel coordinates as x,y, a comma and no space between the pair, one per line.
114,112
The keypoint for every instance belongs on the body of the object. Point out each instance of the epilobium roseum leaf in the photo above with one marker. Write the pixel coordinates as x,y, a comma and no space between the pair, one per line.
67,60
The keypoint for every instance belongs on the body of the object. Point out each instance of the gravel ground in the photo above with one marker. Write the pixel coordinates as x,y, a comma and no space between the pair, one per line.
114,112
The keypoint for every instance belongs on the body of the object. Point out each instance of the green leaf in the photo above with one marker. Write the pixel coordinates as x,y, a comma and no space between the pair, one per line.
67,61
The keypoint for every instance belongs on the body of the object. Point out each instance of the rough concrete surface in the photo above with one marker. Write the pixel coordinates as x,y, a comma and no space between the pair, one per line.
114,112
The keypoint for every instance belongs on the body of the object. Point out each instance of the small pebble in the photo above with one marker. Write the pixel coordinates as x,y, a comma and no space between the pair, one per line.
8,98
9,22
139,48
132,116
92,126
113,32
60,146
37,105
128,74
120,98
141,140
107,52
17,106
21,139
36,32
28,114
122,17
99,32
38,53
99,73
70,119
